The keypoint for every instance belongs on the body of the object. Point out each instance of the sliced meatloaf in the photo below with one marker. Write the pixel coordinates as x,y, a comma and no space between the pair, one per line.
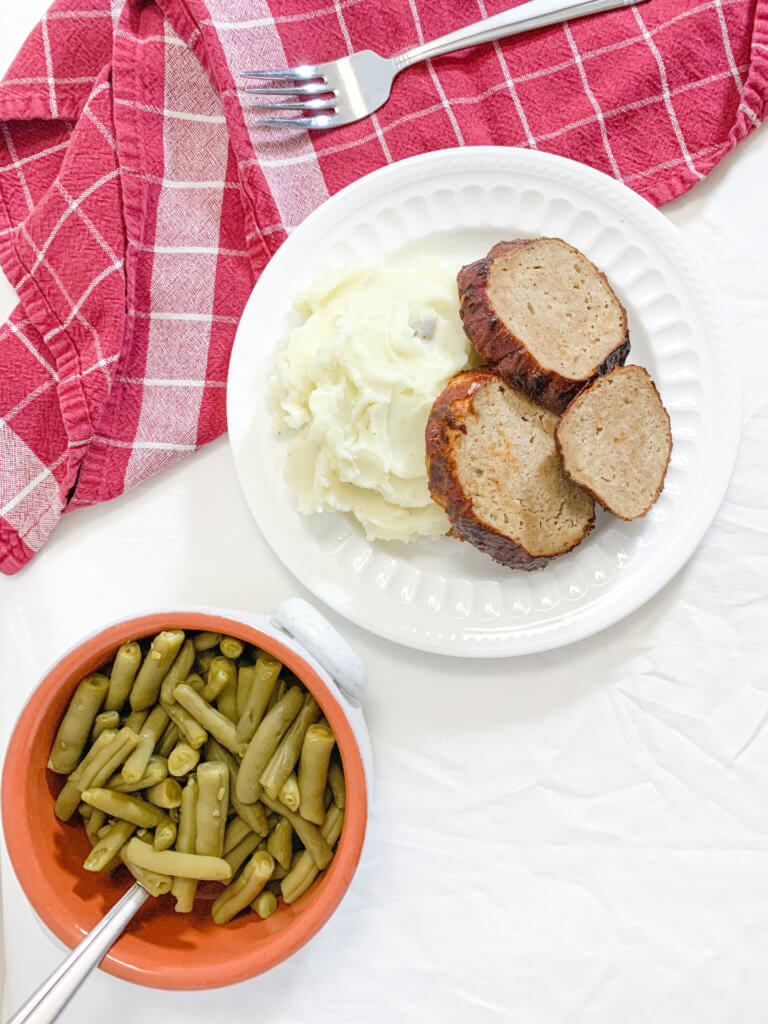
494,468
543,317
615,440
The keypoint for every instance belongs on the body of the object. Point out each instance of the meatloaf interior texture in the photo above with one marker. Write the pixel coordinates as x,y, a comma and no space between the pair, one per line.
559,305
615,440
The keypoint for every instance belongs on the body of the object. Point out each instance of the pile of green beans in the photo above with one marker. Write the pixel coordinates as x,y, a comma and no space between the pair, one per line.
197,758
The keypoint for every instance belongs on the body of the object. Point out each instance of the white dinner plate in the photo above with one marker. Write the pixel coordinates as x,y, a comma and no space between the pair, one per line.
442,595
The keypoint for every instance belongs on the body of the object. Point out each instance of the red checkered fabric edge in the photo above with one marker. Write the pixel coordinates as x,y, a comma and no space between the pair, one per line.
139,201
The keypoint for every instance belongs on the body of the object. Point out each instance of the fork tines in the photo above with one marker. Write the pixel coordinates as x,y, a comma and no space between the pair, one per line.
309,82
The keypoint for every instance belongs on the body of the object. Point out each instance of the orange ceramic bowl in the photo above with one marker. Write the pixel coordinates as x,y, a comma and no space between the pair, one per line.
161,948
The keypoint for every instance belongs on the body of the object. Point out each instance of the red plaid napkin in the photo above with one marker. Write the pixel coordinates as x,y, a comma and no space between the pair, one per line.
138,203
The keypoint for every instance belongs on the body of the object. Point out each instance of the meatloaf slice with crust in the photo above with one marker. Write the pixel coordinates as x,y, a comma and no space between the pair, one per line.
493,466
543,317
615,440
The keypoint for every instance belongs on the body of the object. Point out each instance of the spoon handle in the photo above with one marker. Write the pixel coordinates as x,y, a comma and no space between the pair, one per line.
45,1005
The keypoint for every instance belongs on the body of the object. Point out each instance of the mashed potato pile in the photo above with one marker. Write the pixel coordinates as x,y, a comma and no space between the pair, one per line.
354,385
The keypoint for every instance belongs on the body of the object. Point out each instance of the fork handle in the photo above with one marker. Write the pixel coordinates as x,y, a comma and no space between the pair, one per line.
45,1005
534,14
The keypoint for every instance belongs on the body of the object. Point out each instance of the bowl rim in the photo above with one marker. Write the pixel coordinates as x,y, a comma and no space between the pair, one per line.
30,868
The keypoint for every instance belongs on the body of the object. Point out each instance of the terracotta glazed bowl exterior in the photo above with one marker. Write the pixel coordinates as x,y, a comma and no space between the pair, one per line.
161,948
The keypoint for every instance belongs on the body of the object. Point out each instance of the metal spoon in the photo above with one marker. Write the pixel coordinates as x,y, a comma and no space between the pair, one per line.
45,1005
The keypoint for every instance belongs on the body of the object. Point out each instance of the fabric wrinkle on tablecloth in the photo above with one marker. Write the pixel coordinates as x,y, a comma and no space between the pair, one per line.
139,201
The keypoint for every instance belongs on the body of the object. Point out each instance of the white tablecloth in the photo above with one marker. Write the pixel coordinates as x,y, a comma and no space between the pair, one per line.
577,837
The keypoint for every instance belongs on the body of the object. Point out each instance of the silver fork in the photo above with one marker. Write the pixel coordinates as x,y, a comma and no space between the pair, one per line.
346,90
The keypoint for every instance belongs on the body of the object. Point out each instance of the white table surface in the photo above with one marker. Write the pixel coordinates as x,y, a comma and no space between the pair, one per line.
577,837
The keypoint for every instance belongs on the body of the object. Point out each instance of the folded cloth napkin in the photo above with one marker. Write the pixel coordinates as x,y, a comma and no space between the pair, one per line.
139,202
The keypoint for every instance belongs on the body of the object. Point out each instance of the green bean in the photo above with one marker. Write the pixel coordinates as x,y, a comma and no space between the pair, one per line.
280,842
165,835
209,718
159,659
265,904
125,806
184,889
178,865
153,729
316,750
105,756
332,826
188,726
289,793
124,669
76,724
168,740
135,721
262,746
236,830
156,771
196,681
285,758
226,702
245,888
245,674
303,869
310,835
108,746
178,672
279,692
231,647
109,847
221,673
165,794
242,851
155,882
69,797
84,811
94,823
113,865
104,720
205,641
252,814
280,872
182,759
338,784
262,686
212,806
